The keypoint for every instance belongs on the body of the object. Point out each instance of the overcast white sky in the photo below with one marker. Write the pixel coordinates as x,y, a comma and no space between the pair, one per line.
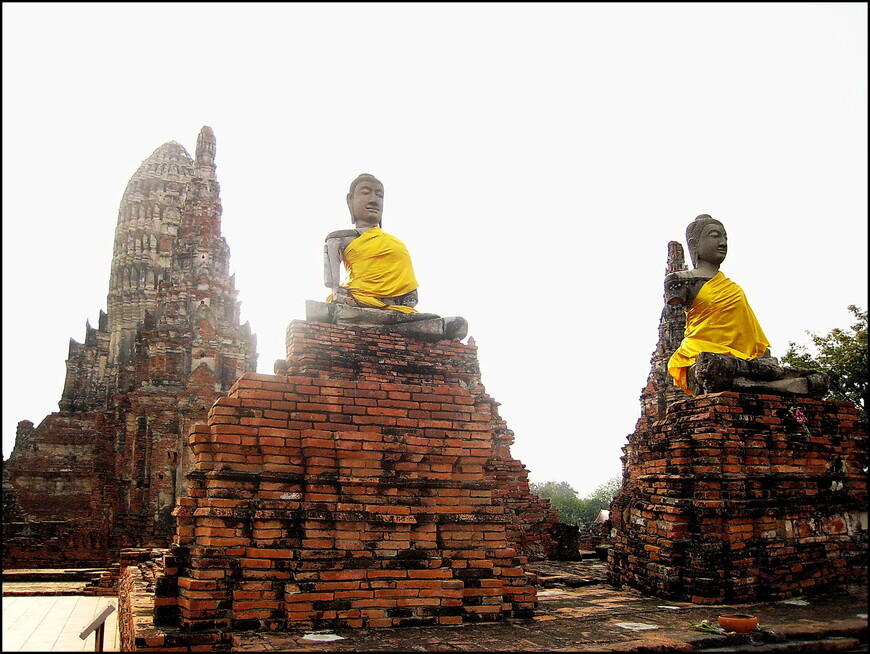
537,159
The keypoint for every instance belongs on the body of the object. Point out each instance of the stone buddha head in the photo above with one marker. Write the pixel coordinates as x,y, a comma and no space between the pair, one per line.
707,240
366,201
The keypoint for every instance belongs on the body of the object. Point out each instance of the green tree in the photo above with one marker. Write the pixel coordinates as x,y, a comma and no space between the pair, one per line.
571,509
563,500
842,353
607,491
601,498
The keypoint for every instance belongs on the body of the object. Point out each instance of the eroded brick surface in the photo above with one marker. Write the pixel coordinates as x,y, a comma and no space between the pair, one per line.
728,498
372,485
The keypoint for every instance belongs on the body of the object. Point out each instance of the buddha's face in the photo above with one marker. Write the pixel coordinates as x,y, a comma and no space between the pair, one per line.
712,245
367,203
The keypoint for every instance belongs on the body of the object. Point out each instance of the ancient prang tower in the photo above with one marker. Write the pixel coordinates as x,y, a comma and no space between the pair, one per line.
104,471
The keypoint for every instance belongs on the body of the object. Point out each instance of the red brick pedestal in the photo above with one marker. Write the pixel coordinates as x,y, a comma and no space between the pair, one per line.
729,499
370,485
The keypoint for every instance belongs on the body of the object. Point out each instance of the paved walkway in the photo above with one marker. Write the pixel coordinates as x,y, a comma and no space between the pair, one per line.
602,619
53,623
578,611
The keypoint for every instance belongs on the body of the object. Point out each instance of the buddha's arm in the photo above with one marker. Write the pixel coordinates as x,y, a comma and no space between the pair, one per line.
331,260
332,252
677,289
681,288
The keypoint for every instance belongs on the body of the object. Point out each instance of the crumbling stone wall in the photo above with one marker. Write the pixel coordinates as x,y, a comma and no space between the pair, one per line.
315,349
142,607
729,499
36,541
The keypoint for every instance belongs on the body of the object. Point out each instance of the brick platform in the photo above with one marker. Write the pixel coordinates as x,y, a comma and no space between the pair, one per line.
370,485
728,498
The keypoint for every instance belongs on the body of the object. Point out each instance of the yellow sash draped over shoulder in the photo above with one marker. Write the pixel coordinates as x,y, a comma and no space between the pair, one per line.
719,320
378,266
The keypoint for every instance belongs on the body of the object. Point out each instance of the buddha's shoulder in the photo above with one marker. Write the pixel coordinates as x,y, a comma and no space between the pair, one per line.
689,275
342,234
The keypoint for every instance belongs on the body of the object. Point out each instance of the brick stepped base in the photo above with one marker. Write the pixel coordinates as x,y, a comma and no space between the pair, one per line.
372,485
730,499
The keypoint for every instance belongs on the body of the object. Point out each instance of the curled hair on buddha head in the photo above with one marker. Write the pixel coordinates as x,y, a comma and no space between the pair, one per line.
364,177
693,232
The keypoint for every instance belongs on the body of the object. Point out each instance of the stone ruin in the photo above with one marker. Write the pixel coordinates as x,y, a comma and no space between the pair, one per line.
369,482
738,497
103,472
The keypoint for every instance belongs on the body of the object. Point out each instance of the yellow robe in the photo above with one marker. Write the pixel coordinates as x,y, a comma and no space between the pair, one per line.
719,320
378,266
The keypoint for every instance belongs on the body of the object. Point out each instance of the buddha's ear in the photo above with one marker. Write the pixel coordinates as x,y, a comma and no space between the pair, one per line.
349,208
690,242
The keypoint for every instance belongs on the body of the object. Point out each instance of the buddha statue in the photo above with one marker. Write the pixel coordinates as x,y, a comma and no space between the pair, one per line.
724,347
379,270
380,287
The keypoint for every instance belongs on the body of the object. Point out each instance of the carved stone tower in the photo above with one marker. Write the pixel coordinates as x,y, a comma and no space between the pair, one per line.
168,347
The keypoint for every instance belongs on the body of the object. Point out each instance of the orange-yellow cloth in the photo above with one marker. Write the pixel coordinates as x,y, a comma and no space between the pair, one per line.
378,266
719,320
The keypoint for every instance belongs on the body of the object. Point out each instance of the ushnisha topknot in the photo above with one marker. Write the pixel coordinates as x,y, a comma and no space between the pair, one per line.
693,232
361,178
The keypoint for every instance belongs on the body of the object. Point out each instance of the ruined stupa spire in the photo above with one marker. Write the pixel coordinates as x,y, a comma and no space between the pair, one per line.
660,391
203,209
205,146
148,220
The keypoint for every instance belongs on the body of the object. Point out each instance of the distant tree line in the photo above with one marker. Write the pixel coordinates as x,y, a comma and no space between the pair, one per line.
571,508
